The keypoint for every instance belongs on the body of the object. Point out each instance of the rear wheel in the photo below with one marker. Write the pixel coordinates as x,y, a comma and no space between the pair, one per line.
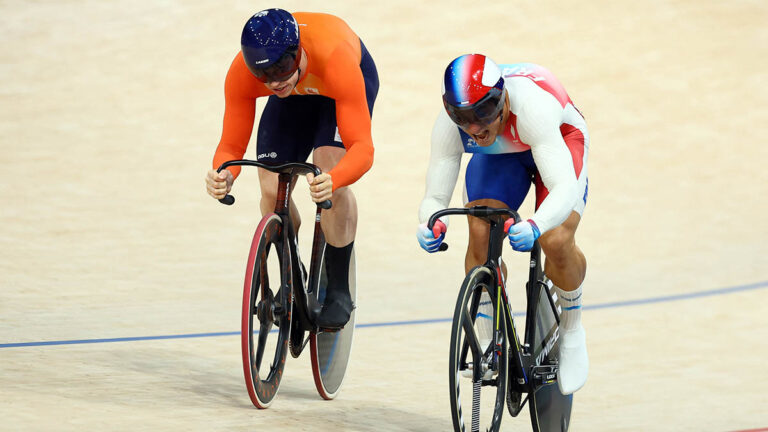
266,319
550,409
331,350
479,359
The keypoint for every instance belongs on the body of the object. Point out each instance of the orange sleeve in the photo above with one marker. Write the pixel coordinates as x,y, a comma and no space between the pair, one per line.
352,117
239,113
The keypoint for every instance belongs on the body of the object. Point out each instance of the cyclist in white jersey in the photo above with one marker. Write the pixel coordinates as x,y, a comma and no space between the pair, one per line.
521,127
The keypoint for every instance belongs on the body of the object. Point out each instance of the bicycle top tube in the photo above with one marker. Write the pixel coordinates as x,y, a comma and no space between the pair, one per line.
292,168
483,212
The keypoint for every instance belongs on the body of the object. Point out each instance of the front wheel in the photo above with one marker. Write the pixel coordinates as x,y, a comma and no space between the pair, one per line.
479,358
266,322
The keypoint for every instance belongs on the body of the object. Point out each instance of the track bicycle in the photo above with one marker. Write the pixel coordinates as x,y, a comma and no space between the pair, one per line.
281,302
489,367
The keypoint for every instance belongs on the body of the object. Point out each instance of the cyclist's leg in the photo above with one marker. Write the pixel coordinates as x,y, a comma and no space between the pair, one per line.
268,184
339,224
479,230
565,263
496,181
566,267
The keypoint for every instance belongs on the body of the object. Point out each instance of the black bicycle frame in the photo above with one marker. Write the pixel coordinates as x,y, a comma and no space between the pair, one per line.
522,357
291,268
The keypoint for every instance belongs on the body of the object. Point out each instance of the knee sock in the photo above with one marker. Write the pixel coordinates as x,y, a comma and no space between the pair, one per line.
337,268
570,303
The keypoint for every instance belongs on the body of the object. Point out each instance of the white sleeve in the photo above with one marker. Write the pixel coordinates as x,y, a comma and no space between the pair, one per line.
444,164
539,126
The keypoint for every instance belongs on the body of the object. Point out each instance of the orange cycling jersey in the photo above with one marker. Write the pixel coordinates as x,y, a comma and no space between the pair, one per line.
333,70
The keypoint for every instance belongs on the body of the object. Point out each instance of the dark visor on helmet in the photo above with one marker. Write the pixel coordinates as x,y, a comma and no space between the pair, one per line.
484,111
280,70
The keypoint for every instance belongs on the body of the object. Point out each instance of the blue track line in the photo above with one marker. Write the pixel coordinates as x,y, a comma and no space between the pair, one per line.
638,302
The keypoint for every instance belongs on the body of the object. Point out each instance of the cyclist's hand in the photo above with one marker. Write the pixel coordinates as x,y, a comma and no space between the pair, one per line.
521,235
320,187
219,184
430,241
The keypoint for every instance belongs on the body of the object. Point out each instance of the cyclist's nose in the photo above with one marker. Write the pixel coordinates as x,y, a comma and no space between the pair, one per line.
475,129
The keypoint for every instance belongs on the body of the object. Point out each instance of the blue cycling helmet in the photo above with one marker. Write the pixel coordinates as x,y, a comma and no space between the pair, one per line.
473,90
270,45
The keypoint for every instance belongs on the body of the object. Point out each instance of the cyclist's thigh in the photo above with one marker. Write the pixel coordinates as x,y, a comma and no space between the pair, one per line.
268,181
578,146
479,229
289,127
326,157
501,177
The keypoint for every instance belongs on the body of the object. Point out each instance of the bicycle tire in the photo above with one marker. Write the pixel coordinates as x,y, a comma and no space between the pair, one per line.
488,415
330,351
261,308
550,410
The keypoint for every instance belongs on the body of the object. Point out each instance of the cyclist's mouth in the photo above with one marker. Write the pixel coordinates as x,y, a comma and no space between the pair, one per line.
281,89
481,137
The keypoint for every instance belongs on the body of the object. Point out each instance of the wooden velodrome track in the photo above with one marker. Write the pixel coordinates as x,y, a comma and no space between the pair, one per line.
109,118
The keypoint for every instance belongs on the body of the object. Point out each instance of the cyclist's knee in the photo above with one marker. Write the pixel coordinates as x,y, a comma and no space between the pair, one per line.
558,244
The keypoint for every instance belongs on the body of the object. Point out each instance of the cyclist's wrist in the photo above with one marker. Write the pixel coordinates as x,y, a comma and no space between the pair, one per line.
536,230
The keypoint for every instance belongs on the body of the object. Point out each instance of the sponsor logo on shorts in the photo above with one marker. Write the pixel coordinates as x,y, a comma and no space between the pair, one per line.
270,155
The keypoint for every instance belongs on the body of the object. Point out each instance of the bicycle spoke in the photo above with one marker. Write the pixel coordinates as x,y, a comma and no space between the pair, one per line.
471,335
263,334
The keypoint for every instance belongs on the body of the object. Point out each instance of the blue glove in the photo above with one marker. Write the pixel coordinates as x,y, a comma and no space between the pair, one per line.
522,235
430,240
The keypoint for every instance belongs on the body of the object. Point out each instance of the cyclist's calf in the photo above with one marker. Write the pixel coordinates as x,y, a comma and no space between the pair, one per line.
340,221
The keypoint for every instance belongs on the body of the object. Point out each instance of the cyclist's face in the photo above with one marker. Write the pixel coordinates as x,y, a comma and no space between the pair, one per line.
284,88
485,135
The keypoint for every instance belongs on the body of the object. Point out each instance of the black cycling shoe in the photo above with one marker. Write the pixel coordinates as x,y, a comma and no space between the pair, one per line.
337,306
335,313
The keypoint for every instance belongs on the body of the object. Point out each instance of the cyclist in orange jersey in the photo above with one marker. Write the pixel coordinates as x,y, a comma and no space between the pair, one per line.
321,85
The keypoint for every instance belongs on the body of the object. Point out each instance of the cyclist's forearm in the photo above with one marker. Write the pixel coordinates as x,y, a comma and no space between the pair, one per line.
353,165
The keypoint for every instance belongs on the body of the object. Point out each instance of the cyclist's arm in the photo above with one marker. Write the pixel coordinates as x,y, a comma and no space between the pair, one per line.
444,164
539,125
352,117
239,112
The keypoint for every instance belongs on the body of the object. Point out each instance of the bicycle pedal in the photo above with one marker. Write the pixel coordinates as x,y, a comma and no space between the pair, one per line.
544,374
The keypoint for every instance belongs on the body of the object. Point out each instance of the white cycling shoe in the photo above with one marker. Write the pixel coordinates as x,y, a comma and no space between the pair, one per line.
574,361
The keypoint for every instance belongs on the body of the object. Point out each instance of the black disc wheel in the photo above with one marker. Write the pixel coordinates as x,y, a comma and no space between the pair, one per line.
266,317
550,409
331,350
479,358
